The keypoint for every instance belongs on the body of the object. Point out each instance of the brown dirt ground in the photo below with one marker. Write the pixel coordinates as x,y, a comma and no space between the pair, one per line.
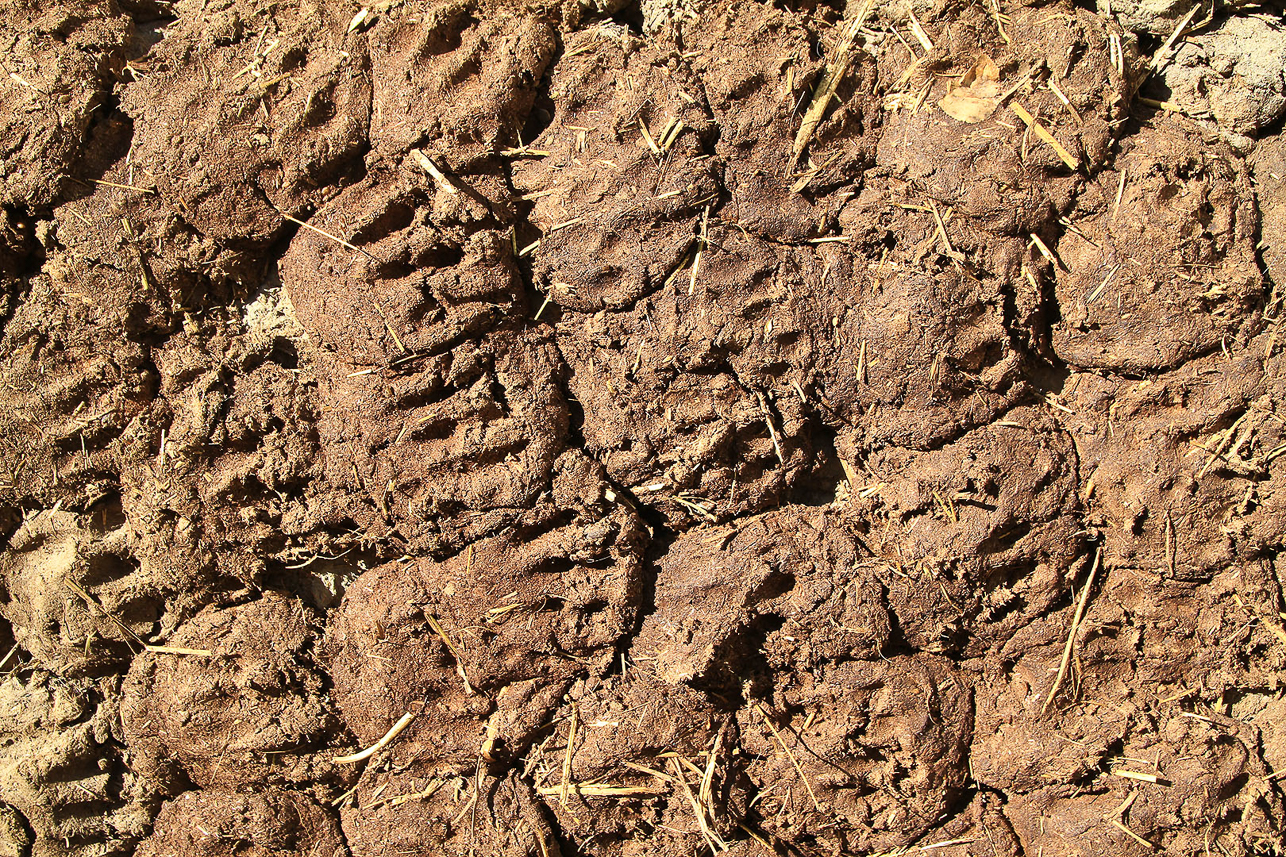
604,428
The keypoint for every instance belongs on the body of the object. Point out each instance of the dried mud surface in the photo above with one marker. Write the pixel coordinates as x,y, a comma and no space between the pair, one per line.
462,427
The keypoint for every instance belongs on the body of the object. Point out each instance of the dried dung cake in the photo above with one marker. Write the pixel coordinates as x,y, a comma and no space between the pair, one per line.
642,428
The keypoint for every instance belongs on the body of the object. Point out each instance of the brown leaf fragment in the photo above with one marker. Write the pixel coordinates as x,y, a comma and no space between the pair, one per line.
975,97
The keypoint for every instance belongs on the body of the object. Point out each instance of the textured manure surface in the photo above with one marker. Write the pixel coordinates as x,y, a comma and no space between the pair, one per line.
580,427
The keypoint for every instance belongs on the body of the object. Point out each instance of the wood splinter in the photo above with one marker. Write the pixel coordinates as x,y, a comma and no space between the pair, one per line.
391,734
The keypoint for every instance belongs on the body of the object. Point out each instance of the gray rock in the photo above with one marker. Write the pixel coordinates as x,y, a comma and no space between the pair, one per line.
1147,16
1235,75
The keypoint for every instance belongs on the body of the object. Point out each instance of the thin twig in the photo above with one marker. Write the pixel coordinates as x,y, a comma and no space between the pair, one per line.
392,733
323,232
789,755
1071,634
